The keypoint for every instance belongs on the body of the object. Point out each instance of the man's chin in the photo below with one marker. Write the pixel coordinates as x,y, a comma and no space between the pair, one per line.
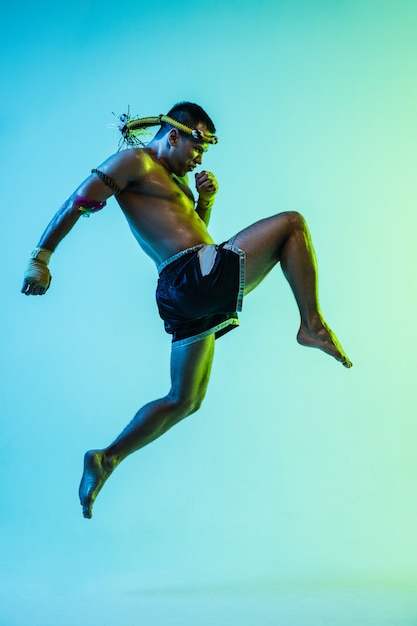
182,174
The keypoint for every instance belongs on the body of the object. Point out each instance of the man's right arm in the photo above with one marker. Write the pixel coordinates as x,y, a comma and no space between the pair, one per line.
112,176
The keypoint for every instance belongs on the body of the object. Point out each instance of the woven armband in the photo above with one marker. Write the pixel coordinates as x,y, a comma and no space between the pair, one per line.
108,181
86,206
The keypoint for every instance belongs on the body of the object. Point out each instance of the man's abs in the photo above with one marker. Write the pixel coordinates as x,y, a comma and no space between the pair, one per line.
163,227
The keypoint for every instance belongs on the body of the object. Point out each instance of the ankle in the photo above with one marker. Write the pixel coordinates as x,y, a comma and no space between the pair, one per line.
312,323
110,460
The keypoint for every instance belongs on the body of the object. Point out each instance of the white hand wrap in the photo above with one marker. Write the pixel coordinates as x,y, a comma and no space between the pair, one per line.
37,268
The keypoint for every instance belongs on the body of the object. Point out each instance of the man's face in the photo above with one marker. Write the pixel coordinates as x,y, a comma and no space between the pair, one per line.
187,152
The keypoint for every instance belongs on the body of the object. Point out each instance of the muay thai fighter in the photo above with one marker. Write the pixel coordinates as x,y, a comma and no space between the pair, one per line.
201,284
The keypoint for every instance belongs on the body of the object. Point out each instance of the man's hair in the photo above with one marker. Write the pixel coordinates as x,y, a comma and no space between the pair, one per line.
190,115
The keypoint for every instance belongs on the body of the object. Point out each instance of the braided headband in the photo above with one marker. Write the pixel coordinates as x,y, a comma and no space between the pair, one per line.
132,127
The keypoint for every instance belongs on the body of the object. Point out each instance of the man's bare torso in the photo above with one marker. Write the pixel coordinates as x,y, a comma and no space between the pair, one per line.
158,205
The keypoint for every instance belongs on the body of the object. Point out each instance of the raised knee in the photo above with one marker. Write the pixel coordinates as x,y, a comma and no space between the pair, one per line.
296,220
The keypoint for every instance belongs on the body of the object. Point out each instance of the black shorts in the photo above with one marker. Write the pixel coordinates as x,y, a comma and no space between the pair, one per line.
200,290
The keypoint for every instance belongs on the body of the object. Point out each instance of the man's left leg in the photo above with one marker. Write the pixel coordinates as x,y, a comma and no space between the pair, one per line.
190,373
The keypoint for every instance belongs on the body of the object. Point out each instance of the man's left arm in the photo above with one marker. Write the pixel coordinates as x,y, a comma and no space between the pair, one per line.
207,187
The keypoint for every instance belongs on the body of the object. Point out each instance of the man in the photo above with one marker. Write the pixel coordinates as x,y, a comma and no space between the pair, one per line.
201,284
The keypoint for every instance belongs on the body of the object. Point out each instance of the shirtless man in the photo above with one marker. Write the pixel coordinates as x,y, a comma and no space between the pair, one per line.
201,284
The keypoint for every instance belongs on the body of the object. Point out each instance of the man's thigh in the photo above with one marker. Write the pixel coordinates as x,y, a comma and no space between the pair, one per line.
262,243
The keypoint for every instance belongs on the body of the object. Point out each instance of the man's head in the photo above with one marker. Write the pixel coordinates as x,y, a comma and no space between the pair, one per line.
185,135
183,146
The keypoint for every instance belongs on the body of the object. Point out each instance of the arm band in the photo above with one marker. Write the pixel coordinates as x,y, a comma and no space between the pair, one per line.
108,181
86,206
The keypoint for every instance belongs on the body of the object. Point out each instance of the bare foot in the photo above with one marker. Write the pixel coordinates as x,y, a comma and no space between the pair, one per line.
96,472
323,338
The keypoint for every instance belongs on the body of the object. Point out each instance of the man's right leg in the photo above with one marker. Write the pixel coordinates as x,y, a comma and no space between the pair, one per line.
190,373
285,238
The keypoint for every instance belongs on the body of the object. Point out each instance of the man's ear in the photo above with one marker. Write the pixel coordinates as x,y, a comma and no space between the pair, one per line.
173,137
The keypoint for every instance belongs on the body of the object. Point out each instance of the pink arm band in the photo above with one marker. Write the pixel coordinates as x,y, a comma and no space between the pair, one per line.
87,206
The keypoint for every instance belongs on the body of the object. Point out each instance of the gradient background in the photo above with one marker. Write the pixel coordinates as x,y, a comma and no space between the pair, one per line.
290,498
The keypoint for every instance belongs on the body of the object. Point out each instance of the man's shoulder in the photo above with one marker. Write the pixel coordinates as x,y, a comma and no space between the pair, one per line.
129,160
131,154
